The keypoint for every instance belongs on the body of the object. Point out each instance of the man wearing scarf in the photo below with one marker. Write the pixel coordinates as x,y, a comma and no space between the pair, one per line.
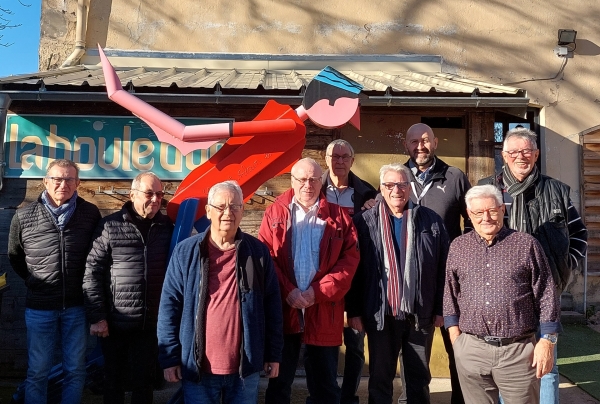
397,294
541,206
47,246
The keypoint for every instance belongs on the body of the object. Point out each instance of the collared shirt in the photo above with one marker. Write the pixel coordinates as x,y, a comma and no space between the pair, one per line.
343,197
500,289
421,176
307,232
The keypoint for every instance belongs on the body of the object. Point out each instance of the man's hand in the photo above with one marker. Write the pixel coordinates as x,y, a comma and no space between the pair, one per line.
454,332
438,321
543,357
100,329
309,296
271,369
355,323
296,300
368,204
173,374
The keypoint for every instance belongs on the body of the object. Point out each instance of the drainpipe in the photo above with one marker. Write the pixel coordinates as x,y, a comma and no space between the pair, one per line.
83,7
4,104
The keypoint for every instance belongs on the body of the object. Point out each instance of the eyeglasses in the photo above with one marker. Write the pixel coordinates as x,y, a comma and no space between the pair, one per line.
494,212
515,153
150,194
311,180
58,180
391,185
335,157
232,208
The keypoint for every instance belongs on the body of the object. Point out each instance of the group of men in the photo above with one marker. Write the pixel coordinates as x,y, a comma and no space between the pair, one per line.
227,305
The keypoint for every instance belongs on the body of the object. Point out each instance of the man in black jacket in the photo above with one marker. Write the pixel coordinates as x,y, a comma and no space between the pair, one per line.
122,284
342,187
441,188
47,246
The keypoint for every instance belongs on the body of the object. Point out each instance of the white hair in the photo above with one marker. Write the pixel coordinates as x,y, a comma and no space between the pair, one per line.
483,191
339,142
135,184
397,167
231,186
521,133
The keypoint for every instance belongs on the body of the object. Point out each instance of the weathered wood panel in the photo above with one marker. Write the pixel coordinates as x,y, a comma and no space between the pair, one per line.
480,132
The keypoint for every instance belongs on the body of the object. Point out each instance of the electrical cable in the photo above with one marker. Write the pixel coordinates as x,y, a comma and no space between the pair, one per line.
562,68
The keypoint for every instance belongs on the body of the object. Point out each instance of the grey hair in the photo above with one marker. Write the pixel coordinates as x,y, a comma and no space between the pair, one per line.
135,184
64,163
483,191
521,133
231,186
339,142
397,167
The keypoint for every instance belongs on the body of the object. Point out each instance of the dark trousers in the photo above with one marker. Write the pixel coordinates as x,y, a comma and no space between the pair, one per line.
320,363
353,365
384,348
129,364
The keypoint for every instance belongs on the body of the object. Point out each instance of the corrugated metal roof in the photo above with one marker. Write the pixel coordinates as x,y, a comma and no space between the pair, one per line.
240,79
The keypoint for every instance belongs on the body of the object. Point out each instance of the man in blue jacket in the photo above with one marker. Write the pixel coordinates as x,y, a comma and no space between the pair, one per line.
220,320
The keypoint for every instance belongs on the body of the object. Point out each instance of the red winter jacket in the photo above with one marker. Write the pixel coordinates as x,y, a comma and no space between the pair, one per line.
338,259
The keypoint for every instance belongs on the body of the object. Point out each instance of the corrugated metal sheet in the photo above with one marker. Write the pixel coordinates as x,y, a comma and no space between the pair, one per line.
203,78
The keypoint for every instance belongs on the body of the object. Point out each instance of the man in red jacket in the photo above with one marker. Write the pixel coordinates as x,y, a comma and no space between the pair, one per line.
314,247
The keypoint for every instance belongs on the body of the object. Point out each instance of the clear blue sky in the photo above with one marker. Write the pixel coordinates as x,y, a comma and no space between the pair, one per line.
22,55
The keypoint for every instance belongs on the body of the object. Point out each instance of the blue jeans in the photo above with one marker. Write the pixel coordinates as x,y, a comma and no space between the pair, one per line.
44,329
226,389
549,383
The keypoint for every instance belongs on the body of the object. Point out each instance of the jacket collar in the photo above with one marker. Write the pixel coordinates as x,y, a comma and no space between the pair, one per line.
438,171
353,182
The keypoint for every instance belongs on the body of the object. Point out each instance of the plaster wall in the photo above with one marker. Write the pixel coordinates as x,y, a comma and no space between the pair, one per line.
495,41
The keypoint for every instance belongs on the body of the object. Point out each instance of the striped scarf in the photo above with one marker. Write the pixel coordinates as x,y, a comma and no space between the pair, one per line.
402,280
518,218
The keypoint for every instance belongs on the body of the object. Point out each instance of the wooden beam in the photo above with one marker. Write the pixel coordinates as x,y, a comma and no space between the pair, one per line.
480,134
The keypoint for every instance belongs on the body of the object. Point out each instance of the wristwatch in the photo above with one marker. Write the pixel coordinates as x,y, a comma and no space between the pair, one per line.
553,338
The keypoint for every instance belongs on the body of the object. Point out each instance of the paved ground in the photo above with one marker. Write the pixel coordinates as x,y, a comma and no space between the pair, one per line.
440,392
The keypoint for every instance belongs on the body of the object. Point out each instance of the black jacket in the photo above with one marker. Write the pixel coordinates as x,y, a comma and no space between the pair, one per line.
555,223
51,261
446,196
124,276
364,298
363,191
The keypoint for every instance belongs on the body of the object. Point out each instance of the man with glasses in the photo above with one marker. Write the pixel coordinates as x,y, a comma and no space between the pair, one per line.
47,246
344,188
541,206
220,319
397,292
440,187
499,288
313,244
123,278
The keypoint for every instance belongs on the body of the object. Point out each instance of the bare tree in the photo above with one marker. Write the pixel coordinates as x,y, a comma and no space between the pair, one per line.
6,16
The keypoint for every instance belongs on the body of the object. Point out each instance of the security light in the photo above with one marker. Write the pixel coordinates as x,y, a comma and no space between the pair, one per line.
566,36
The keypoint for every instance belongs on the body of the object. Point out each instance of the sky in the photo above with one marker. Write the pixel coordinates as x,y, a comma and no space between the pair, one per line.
21,56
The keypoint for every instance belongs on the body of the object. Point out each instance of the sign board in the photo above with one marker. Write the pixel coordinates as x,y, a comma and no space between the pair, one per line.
104,147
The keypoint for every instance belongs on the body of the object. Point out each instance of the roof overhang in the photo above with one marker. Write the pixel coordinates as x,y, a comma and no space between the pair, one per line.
192,78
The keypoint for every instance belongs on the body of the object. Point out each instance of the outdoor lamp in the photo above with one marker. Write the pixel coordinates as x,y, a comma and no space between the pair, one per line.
566,36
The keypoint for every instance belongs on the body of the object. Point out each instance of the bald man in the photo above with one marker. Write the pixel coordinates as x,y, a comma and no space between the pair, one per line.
441,188
315,250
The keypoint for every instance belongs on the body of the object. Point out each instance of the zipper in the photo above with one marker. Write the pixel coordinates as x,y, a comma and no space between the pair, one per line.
62,266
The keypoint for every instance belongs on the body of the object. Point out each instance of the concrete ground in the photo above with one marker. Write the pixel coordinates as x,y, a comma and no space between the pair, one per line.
440,392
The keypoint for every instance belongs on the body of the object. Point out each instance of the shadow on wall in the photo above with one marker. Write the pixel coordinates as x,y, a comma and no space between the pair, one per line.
586,48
